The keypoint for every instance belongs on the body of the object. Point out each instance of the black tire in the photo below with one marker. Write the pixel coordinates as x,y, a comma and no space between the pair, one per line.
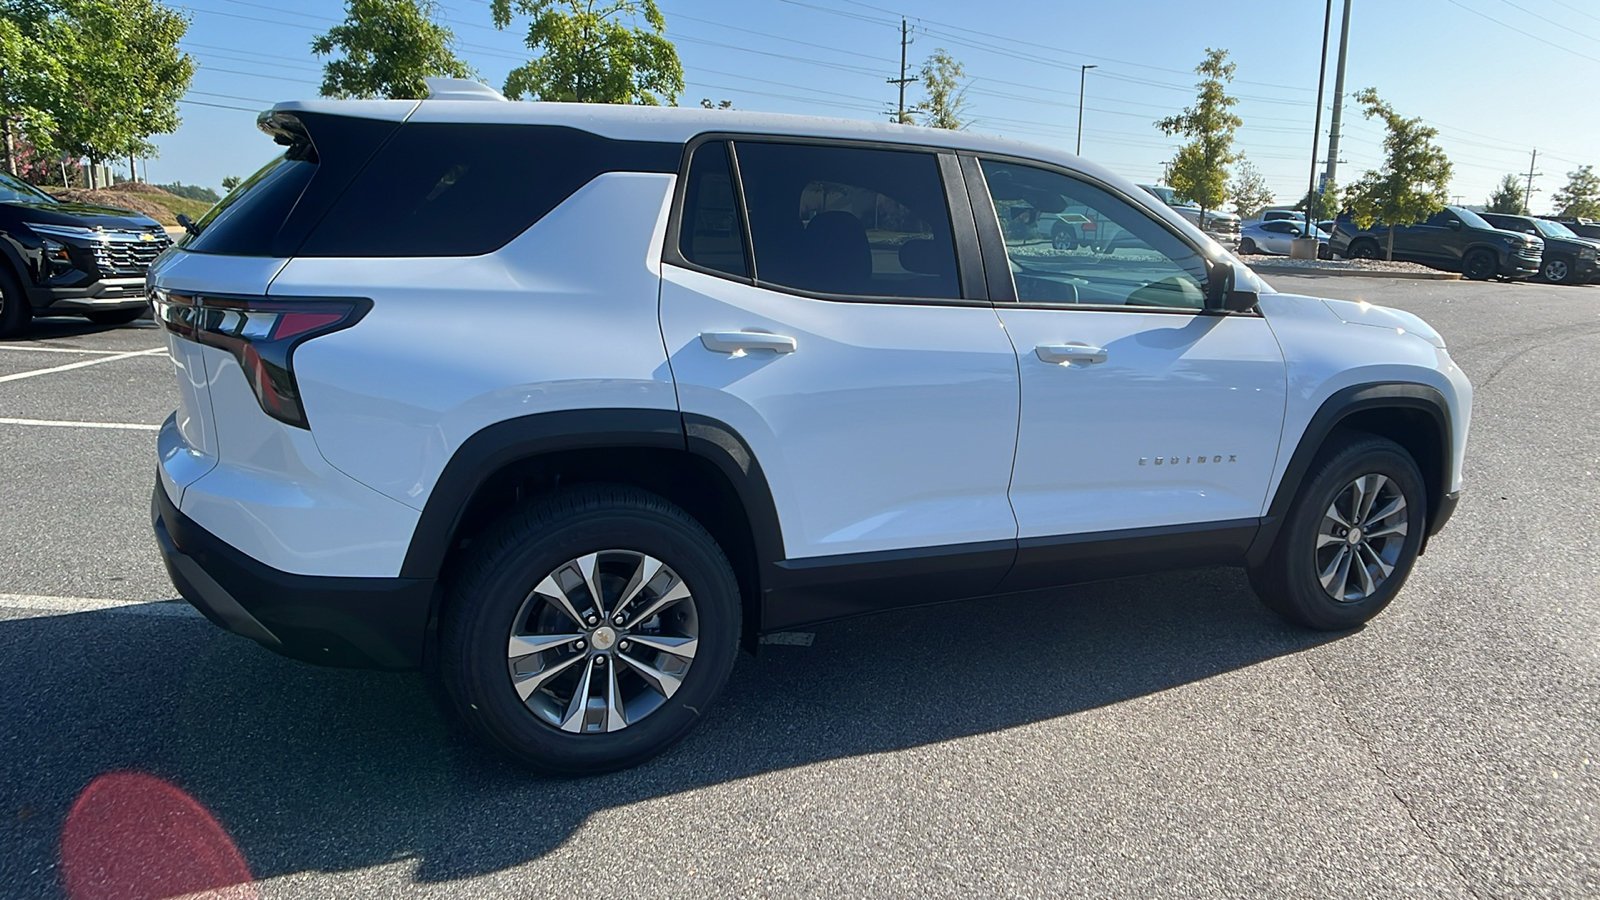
1247,246
488,598
1479,265
1289,582
115,316
15,313
1064,237
1363,249
1556,270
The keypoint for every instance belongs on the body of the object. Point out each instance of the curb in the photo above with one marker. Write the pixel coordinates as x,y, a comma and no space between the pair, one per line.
1270,269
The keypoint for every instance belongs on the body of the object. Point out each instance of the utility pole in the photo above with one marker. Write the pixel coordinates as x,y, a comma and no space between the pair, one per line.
1332,176
1316,132
902,81
1083,73
1527,196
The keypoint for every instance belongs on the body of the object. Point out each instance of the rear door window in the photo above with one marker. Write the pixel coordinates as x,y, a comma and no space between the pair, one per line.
711,233
848,221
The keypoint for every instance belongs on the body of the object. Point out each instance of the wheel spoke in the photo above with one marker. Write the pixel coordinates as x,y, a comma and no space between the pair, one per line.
578,708
1363,576
588,567
666,685
1336,572
1387,510
1373,484
527,684
550,590
1324,539
677,646
524,646
1384,569
614,718
648,567
1334,514
679,591
1398,529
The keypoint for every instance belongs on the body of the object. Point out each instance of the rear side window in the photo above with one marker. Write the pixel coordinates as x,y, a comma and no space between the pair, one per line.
711,234
848,221
467,189
246,221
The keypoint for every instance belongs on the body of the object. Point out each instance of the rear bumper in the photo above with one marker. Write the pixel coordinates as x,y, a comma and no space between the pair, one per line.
369,623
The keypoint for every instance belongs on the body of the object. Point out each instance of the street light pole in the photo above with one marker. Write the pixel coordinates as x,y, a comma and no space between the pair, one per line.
1316,132
1083,72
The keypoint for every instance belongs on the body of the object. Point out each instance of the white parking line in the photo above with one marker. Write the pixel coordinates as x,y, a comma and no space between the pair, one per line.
41,605
16,376
61,350
124,426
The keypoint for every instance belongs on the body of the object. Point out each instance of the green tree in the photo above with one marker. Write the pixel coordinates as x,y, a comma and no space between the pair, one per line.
1507,198
946,97
1199,171
122,75
30,86
388,47
1249,191
590,52
1324,205
1415,179
229,182
706,103
1580,196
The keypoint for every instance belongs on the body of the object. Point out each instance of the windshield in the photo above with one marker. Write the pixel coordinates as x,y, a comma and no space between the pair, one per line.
1472,219
1554,229
16,189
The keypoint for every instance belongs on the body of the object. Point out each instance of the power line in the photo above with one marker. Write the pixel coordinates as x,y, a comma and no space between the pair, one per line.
1567,27
1529,34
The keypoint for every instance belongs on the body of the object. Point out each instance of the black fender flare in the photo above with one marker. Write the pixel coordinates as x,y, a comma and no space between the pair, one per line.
503,443
1337,408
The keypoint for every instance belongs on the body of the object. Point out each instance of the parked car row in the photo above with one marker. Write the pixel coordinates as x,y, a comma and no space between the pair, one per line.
1456,239
1223,227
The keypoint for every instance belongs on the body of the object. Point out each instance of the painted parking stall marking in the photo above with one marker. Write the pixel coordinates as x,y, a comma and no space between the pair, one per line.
33,373
51,423
42,605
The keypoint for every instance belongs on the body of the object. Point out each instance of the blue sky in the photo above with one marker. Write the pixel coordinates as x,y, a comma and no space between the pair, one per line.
1497,77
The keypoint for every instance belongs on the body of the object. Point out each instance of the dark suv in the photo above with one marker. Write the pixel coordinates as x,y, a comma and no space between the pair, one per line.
1455,239
69,259
1584,228
1568,258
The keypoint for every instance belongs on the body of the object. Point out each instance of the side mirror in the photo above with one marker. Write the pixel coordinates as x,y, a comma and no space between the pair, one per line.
1221,294
188,224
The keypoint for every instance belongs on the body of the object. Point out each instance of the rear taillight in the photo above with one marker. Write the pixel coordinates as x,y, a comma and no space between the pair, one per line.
262,334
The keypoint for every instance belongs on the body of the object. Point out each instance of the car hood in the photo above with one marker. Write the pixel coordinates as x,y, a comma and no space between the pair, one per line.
87,215
1364,313
1571,245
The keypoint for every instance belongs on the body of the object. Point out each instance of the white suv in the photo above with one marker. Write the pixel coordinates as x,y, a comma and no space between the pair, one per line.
570,402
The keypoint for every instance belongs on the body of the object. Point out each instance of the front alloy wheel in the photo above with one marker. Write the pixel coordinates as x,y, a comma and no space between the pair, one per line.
1362,536
1556,270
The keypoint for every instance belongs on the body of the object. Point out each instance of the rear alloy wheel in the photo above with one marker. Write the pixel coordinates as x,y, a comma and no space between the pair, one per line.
590,631
1063,237
115,316
1480,265
1556,270
1350,539
1247,246
1363,250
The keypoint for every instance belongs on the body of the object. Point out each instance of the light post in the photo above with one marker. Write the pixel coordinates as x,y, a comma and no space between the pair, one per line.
1305,247
1083,73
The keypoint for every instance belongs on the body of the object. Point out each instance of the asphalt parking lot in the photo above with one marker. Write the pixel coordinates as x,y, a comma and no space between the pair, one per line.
1154,737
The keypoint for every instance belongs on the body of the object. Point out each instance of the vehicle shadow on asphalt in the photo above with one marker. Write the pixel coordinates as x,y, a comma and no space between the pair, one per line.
327,770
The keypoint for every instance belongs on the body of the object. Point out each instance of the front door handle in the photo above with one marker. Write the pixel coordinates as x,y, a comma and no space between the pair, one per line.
1070,353
736,341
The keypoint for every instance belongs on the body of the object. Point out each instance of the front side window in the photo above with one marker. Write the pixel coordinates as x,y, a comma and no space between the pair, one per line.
1132,260
847,221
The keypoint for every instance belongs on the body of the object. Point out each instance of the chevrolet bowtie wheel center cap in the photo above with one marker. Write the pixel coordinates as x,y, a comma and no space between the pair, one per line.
604,638
1354,537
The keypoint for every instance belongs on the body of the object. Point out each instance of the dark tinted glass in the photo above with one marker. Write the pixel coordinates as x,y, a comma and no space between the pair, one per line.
710,234
245,222
466,189
847,221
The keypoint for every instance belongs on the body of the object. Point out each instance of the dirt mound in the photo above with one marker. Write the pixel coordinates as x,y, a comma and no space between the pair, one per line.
129,200
139,187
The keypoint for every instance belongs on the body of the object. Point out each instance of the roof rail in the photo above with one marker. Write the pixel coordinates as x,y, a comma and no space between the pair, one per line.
460,89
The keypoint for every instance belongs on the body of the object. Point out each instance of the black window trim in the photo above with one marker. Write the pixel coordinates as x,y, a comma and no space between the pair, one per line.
969,266
1002,288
